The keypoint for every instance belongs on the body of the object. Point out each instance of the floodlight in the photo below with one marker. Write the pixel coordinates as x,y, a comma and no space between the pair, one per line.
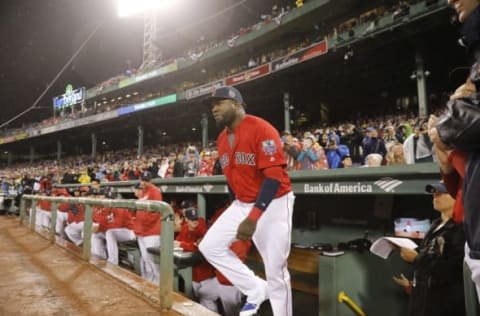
131,7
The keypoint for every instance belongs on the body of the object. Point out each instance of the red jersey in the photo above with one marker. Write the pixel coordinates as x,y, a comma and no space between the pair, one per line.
256,146
45,205
76,213
62,207
110,218
188,239
151,193
148,223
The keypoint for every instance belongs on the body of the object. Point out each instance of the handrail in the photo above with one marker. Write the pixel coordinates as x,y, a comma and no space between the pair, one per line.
166,260
344,298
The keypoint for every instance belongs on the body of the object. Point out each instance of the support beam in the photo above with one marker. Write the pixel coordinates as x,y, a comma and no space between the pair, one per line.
59,150
32,154
94,145
9,158
140,140
204,123
286,110
421,86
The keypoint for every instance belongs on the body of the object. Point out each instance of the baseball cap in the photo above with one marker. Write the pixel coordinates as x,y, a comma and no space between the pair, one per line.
436,187
146,176
186,204
191,213
370,129
111,194
223,93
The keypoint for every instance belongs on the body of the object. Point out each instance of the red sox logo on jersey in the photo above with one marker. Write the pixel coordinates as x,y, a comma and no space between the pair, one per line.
224,160
240,159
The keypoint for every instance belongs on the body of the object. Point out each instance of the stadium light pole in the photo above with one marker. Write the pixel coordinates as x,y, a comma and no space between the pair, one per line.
150,10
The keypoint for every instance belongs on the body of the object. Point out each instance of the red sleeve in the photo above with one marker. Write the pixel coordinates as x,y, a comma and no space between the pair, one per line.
275,173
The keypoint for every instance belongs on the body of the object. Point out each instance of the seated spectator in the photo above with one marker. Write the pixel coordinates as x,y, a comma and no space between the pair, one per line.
336,153
417,147
312,155
291,150
191,163
373,160
395,155
206,164
372,144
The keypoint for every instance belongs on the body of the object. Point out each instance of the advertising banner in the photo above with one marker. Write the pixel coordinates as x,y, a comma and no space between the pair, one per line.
385,185
203,90
248,75
70,97
172,98
300,56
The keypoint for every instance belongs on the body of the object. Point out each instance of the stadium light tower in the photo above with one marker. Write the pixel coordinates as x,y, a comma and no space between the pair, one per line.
150,9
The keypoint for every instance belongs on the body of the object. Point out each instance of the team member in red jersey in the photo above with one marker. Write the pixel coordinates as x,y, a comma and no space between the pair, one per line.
147,228
252,160
113,225
62,212
43,214
204,283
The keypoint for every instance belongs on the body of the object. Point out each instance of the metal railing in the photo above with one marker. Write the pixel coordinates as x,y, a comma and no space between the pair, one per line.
166,259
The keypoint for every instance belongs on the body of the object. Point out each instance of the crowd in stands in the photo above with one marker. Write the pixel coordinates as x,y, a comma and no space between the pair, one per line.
366,142
203,47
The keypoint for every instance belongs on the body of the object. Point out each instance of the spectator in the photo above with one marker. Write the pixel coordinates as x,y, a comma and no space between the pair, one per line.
372,144
418,147
437,287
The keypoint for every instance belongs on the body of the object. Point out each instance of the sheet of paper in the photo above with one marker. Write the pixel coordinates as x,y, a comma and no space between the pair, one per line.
382,247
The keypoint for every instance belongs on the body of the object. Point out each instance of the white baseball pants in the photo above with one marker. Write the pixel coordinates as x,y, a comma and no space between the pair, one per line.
62,218
272,239
231,299
98,245
74,232
207,293
113,237
150,270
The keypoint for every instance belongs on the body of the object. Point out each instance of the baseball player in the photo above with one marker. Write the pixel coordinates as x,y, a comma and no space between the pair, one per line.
112,225
251,156
62,212
43,214
147,228
74,229
204,284
229,295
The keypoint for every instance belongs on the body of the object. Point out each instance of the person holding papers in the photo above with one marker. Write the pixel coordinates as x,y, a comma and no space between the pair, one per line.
437,285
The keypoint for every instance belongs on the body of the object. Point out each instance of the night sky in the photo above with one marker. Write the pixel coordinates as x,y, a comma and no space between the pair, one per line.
38,37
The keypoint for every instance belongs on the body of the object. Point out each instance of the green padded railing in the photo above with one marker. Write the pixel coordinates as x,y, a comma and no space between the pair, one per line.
166,260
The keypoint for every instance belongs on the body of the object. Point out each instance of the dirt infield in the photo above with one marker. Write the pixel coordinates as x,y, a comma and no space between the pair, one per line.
40,278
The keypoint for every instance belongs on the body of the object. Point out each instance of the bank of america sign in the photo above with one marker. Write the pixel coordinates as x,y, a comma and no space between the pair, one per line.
388,184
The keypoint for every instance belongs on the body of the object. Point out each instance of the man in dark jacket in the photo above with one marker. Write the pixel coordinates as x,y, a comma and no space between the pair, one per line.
455,136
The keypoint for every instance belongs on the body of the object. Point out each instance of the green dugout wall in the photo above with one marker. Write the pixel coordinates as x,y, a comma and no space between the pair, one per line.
336,206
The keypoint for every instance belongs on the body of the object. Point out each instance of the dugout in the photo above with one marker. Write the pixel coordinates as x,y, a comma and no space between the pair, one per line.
338,208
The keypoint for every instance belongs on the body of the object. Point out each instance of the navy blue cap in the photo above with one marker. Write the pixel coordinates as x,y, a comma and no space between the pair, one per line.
226,92
436,187
191,213
186,204
146,176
